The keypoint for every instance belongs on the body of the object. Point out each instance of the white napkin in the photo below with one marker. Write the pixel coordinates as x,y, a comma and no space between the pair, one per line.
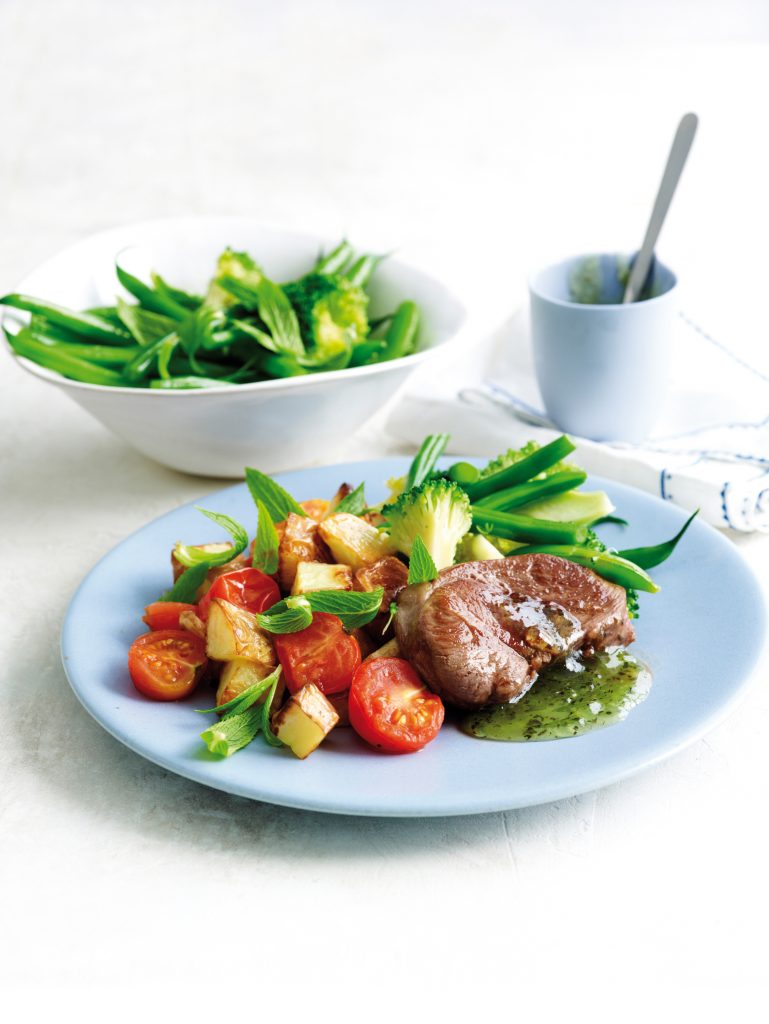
710,451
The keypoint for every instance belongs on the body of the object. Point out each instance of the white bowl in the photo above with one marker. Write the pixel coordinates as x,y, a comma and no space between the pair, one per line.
273,424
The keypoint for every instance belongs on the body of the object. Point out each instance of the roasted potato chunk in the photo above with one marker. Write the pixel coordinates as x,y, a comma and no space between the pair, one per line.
353,541
238,675
233,633
391,574
305,720
299,542
316,508
316,576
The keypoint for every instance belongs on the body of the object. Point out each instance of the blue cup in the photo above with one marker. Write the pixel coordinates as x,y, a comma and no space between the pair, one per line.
602,366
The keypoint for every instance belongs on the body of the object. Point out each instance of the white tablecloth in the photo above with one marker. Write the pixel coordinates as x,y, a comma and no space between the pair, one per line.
483,138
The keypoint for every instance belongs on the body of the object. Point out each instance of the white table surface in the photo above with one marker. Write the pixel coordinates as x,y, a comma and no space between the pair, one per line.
482,138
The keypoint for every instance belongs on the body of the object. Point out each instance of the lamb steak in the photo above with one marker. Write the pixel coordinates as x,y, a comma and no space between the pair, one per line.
482,631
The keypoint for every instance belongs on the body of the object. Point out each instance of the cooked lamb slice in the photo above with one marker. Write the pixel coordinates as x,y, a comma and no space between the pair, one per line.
481,632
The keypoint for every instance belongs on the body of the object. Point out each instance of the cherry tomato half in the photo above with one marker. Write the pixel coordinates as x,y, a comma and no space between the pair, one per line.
391,708
322,654
247,588
167,663
165,614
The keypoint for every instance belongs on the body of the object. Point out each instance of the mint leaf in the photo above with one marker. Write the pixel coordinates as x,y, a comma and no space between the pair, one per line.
421,566
186,587
274,309
266,543
189,554
278,501
354,503
243,701
233,733
355,608
270,738
289,616
145,326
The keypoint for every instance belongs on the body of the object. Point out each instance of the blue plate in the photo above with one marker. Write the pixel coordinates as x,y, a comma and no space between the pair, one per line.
702,635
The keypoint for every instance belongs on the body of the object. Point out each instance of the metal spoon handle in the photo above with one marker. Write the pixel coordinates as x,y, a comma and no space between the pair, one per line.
679,151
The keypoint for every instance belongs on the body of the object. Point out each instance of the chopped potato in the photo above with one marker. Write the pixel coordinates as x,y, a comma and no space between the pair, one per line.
191,621
353,541
388,650
316,576
238,675
233,633
305,720
316,508
300,542
390,574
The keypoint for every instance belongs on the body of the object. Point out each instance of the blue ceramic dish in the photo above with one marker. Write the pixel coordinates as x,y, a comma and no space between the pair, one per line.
702,636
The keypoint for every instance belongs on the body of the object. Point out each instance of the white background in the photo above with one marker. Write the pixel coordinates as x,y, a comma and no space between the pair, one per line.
482,138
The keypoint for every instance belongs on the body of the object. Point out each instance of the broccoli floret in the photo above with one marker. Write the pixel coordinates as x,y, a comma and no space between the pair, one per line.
235,265
332,313
513,455
438,511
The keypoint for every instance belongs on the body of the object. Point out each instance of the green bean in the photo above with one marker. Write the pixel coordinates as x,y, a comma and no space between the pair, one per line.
362,270
108,313
523,470
534,490
145,359
150,299
401,335
53,357
101,355
425,459
66,341
85,325
367,351
648,557
514,526
612,567
336,260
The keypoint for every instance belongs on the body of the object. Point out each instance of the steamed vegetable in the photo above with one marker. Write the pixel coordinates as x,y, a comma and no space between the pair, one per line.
437,511
607,564
245,328
516,467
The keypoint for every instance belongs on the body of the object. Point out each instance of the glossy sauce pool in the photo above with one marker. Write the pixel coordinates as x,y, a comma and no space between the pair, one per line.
568,700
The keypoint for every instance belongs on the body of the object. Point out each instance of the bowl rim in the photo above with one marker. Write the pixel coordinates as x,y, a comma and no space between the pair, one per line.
276,384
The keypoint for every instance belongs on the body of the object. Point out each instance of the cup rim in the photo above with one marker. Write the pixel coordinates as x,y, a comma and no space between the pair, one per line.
585,306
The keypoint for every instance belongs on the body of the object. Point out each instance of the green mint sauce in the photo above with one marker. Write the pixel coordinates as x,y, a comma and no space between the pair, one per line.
570,699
